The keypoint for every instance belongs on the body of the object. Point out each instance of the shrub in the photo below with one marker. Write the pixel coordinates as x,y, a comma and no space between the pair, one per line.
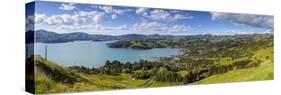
165,75
141,75
126,71
189,78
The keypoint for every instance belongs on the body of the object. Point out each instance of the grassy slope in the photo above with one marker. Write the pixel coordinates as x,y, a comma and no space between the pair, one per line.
50,77
262,72
47,82
123,81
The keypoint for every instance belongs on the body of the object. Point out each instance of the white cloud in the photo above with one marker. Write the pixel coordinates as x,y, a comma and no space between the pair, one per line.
113,11
92,27
162,15
143,27
122,27
79,27
95,29
180,28
156,27
109,9
148,26
116,28
179,16
114,16
97,18
238,32
91,21
66,19
235,32
261,21
68,7
141,11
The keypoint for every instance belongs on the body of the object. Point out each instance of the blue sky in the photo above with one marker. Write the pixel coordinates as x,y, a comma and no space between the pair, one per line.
118,20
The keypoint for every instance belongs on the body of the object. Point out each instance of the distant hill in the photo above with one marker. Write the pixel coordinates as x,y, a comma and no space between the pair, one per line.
45,36
52,37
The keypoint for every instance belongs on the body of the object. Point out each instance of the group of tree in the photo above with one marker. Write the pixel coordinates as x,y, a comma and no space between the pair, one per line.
166,73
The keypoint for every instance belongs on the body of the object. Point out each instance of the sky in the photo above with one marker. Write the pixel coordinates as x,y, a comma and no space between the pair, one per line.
61,17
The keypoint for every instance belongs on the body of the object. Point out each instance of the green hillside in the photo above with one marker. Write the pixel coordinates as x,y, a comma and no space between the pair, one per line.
263,72
50,77
53,78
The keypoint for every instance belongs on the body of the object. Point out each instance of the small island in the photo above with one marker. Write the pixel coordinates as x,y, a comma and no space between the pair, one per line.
138,44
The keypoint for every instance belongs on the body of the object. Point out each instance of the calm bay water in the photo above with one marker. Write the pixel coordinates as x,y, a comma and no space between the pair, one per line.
95,54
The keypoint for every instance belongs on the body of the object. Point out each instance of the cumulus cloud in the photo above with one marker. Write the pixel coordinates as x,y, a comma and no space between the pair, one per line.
68,7
80,27
260,21
109,9
92,20
97,17
156,27
165,15
143,27
141,11
180,28
66,19
162,15
93,27
148,26
235,32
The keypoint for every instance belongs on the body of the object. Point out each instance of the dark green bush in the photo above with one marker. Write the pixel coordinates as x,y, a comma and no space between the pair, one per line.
165,75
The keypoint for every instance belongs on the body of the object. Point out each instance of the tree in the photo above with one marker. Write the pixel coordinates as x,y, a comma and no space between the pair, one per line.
142,75
189,78
165,75
126,70
107,63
